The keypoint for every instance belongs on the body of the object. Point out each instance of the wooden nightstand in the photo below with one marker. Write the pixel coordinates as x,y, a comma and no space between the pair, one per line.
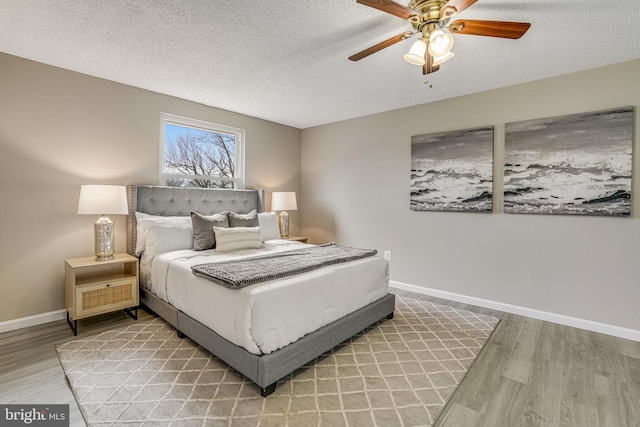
96,287
297,238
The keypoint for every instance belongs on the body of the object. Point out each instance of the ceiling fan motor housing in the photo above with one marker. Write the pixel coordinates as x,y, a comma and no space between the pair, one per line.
429,15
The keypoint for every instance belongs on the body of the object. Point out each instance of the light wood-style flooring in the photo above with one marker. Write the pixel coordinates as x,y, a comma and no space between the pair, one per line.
537,373
530,373
30,371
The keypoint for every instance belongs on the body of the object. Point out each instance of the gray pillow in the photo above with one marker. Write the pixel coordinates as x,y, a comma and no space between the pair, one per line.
203,237
243,220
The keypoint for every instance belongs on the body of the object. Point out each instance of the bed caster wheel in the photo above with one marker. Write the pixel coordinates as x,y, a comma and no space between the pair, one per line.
390,316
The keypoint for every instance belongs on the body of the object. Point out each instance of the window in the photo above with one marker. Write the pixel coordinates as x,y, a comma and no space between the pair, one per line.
200,154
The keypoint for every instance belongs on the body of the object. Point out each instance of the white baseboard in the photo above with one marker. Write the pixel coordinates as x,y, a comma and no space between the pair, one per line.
617,331
37,319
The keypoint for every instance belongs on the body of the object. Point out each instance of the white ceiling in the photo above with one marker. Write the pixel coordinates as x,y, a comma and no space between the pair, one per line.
286,60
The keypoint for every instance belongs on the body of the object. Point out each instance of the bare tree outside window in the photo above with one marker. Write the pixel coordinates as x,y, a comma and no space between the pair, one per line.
196,157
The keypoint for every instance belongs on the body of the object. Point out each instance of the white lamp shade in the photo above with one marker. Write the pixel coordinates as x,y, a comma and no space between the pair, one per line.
283,201
440,43
416,55
437,60
103,200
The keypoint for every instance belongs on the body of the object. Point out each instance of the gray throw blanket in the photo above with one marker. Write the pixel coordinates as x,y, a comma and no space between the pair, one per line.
249,271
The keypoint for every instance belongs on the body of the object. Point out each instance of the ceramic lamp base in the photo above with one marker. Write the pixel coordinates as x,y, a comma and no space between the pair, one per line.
284,225
104,238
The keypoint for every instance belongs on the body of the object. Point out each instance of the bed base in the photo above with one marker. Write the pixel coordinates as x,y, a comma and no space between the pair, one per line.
266,370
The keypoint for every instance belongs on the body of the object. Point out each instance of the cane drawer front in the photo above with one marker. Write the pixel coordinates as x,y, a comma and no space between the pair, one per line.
105,297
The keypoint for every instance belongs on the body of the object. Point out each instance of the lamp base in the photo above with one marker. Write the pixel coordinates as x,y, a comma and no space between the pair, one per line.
284,225
104,239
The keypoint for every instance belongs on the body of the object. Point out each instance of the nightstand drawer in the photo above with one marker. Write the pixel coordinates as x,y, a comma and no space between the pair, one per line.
105,297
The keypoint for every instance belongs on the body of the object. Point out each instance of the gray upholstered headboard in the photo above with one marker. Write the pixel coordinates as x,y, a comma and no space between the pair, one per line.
177,201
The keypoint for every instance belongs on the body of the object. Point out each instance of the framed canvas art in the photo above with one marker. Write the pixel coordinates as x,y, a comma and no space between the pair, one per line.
578,164
452,171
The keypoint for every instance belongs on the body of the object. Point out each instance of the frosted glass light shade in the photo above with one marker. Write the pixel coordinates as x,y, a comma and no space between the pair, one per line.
416,55
437,60
103,200
440,43
283,201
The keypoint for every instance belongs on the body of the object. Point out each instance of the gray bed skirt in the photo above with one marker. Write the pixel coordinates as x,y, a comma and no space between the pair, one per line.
266,370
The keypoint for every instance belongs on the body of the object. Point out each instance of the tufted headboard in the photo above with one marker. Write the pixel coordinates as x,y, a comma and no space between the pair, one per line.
178,201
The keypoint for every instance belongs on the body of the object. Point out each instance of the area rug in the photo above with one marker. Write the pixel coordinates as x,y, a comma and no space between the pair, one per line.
398,372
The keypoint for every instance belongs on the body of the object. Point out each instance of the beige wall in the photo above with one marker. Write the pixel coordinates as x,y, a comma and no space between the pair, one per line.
59,130
355,189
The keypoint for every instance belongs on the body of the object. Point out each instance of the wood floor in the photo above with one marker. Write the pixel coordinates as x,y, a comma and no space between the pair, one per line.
536,373
530,373
30,372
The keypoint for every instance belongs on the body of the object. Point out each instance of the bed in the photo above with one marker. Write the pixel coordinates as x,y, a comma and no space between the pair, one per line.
239,325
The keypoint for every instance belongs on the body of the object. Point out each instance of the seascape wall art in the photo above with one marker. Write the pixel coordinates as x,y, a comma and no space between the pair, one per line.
578,164
452,171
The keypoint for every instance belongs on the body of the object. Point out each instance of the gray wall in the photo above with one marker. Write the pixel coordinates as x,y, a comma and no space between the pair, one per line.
355,189
59,130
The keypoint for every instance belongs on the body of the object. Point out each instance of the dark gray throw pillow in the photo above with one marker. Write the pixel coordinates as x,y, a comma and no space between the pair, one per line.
203,237
243,220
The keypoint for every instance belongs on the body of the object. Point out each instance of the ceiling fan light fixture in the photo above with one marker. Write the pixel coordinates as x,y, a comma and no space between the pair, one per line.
430,20
416,54
440,43
437,60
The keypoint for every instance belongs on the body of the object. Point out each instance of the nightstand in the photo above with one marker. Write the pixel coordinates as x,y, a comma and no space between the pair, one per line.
297,238
95,287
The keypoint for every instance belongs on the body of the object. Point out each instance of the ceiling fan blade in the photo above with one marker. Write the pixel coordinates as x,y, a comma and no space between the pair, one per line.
428,66
455,6
391,7
502,29
373,49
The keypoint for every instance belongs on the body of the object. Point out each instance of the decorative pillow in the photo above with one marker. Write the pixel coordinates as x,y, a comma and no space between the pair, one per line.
269,226
243,220
236,238
167,221
162,238
203,237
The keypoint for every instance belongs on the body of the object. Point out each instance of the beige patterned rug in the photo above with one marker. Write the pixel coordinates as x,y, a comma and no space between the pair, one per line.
399,372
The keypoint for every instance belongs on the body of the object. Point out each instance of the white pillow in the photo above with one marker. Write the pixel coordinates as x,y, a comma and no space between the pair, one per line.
141,242
269,226
236,238
162,238
168,221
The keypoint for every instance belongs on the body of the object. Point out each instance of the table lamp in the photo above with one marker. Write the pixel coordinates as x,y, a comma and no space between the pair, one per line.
103,200
284,201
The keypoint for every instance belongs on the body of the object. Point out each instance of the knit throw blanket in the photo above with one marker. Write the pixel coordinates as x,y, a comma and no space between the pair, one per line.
243,272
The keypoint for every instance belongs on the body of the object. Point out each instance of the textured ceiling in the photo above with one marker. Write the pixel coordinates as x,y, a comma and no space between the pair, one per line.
286,60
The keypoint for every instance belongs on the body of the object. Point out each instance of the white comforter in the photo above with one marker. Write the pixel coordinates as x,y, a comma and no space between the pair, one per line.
265,317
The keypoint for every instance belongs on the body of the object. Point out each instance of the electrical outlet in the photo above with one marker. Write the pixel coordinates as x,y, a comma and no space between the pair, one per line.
387,255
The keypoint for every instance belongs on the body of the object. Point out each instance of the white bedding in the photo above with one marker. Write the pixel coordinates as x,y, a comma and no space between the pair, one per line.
265,317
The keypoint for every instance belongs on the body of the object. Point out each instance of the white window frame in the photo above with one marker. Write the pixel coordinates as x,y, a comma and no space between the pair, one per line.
238,179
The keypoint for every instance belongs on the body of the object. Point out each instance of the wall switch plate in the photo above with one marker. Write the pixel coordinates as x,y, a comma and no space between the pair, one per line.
387,255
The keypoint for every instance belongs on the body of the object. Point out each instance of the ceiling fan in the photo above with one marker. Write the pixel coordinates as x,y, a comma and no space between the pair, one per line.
429,18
